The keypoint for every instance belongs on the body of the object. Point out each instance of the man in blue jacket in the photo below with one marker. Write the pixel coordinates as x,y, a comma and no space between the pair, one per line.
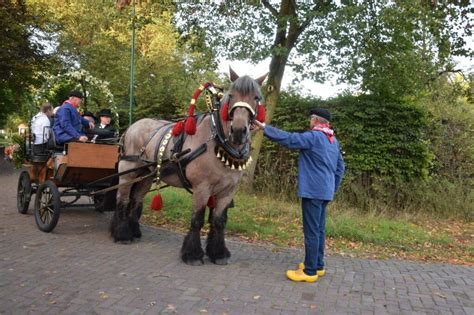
320,171
68,122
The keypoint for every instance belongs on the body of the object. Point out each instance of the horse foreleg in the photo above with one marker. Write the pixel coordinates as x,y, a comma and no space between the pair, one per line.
216,249
191,251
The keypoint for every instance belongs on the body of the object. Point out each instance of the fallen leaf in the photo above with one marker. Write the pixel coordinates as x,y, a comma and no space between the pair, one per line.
103,295
440,295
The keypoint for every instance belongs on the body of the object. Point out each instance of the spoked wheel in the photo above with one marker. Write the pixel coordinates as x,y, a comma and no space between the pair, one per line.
47,206
23,193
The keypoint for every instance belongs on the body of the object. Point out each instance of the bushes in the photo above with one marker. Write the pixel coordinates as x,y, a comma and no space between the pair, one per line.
394,155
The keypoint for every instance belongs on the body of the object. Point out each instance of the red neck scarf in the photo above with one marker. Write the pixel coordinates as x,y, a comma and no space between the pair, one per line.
326,129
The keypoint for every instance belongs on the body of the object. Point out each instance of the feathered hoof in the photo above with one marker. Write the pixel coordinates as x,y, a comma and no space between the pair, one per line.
135,227
122,233
124,242
198,262
221,261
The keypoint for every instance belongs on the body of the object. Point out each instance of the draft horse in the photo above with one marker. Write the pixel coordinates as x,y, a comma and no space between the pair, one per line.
223,140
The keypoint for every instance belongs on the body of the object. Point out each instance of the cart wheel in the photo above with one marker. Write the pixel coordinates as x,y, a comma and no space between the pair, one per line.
23,193
47,206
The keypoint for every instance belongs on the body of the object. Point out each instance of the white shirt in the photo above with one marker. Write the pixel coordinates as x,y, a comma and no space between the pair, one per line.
40,126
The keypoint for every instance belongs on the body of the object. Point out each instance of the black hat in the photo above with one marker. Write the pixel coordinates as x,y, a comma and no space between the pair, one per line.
77,94
105,112
321,112
87,113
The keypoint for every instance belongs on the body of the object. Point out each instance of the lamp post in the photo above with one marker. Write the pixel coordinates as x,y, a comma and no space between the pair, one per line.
132,62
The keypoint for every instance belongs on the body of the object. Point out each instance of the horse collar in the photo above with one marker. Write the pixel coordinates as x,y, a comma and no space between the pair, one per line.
228,155
230,161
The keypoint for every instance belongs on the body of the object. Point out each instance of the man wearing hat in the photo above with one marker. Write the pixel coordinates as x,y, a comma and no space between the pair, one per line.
104,129
68,122
320,171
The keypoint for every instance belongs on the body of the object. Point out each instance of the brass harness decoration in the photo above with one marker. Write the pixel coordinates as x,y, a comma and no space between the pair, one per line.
161,152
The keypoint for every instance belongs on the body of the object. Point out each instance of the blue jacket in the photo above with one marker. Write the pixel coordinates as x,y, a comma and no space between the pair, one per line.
320,165
67,124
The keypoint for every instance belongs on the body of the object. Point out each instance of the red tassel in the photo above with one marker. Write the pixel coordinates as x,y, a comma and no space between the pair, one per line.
261,113
225,112
157,202
211,203
178,128
190,126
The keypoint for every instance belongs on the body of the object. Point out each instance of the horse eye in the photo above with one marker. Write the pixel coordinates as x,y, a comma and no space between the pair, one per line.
230,95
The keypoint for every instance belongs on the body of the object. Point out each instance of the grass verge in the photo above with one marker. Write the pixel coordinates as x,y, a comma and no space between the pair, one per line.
261,219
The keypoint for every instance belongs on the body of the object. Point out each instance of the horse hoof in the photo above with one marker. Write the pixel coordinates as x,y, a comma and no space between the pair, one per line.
195,262
124,242
221,261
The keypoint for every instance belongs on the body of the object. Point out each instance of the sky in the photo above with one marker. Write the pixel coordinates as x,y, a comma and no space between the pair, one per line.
308,87
324,91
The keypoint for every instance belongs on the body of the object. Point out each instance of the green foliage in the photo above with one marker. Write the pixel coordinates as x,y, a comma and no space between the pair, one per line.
452,127
165,72
15,150
396,49
21,56
386,140
411,156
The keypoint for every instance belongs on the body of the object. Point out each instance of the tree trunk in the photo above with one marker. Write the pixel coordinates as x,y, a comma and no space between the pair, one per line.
272,92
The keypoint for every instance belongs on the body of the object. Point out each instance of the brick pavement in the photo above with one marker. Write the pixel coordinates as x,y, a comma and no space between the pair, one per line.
77,269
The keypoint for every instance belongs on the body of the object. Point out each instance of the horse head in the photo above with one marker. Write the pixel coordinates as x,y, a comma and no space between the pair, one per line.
241,102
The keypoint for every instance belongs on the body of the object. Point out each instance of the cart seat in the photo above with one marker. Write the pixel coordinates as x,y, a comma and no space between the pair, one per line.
52,144
40,158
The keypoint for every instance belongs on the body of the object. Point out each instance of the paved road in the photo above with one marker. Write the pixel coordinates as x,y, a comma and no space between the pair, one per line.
77,269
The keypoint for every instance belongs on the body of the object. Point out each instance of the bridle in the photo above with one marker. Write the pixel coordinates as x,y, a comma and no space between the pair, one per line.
235,158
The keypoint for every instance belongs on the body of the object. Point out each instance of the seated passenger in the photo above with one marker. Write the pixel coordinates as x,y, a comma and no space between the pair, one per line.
40,125
68,122
91,118
104,130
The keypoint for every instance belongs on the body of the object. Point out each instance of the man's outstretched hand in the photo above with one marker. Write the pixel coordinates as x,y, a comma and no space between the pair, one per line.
258,125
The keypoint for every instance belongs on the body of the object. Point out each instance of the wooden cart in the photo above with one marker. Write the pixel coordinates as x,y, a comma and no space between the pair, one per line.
54,176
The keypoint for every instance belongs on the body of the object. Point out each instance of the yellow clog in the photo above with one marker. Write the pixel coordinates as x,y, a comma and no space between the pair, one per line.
320,273
299,275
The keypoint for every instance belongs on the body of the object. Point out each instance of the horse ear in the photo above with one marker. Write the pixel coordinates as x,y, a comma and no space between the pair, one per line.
233,76
261,79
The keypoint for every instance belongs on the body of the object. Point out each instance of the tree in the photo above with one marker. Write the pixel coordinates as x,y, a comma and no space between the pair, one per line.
100,43
395,49
254,31
303,35
21,56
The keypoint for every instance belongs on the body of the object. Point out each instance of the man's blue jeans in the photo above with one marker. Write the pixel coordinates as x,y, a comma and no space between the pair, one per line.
314,223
